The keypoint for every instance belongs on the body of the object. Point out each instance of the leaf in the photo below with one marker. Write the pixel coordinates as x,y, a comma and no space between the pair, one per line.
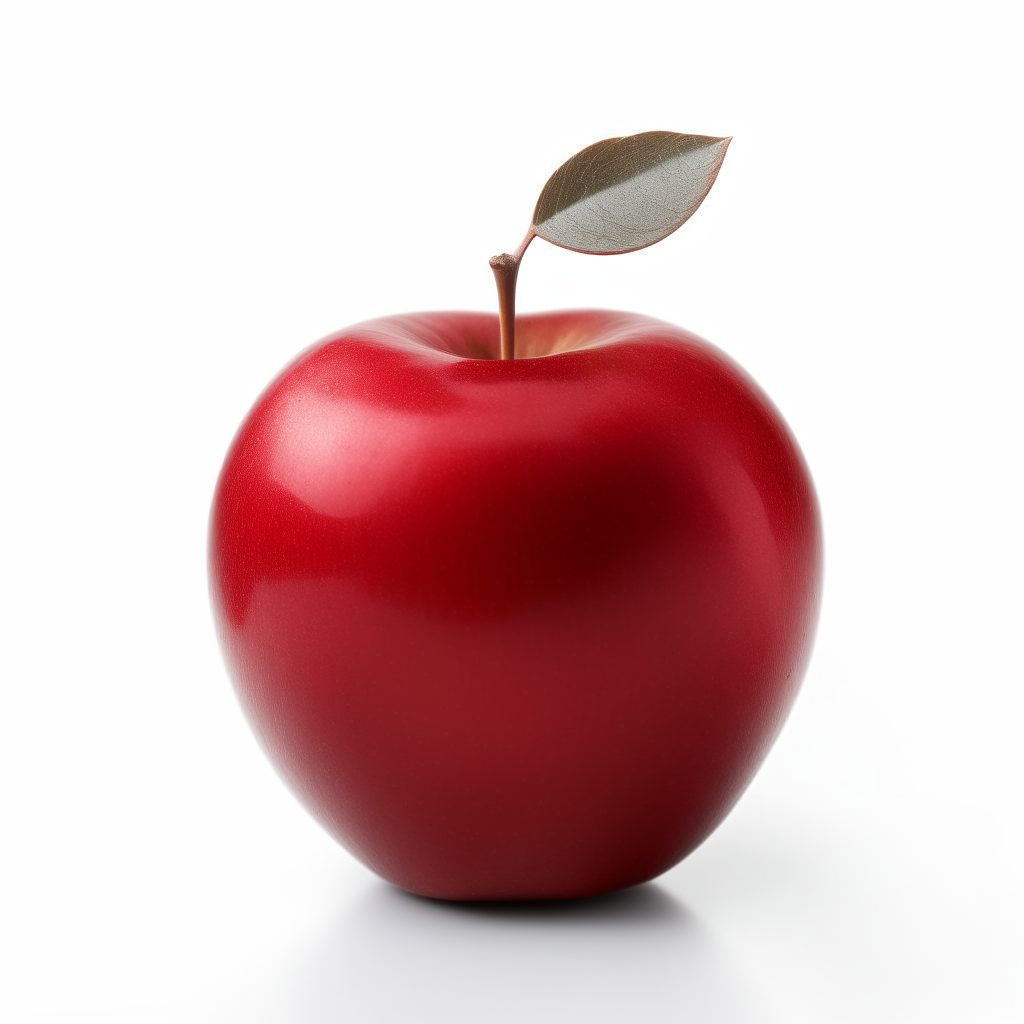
624,194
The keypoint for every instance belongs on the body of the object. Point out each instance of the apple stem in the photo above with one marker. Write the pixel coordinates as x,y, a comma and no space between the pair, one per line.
506,270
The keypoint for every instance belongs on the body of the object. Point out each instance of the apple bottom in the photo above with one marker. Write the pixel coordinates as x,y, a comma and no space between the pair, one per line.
565,754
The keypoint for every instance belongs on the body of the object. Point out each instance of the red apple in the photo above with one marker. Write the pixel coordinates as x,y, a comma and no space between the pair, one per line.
516,629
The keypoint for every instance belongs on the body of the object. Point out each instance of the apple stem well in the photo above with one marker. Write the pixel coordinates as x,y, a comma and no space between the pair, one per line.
616,196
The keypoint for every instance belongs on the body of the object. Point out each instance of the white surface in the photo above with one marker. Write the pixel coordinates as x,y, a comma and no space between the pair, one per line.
190,193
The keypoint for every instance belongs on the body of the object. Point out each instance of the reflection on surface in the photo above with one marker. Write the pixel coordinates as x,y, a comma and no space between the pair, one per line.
637,955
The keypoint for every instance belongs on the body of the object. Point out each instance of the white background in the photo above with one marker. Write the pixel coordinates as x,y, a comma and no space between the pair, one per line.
191,193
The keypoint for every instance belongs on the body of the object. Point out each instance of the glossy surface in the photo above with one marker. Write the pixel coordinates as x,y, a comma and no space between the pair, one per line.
523,629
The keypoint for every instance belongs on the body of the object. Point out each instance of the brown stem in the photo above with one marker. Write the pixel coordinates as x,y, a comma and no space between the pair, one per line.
506,270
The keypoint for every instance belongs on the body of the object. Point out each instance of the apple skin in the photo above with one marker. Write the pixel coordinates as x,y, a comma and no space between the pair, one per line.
516,629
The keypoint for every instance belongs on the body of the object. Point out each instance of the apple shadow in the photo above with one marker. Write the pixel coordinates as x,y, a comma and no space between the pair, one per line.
637,955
